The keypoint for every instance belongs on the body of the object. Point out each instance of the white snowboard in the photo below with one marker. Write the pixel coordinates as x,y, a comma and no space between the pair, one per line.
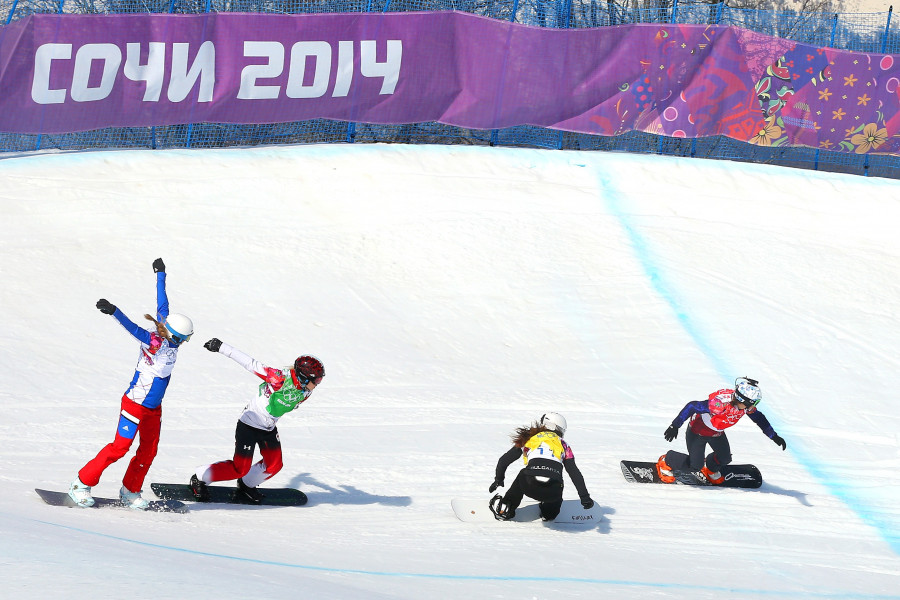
473,510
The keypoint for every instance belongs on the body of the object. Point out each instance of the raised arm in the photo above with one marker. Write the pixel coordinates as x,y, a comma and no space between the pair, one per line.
139,333
162,300
267,374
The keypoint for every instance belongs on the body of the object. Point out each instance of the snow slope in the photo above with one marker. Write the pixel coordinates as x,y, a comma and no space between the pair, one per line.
455,293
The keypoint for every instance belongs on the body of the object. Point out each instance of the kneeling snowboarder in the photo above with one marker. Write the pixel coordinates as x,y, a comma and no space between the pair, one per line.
708,421
545,453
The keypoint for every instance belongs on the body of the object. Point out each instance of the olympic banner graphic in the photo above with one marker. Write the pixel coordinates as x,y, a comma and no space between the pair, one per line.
65,73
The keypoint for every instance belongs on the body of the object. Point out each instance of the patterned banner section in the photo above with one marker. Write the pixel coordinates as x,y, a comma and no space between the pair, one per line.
64,73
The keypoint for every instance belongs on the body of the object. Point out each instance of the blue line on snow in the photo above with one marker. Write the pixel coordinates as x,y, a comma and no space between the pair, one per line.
641,247
654,274
452,577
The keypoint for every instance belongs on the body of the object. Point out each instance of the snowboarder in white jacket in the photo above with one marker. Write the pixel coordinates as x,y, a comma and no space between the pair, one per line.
282,391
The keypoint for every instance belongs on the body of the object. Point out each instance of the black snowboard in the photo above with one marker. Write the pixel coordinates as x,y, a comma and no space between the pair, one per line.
63,499
229,495
736,476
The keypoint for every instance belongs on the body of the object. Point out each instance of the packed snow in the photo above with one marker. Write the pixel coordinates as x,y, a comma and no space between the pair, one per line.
454,294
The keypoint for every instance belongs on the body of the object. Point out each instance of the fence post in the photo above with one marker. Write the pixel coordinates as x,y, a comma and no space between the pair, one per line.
566,23
495,133
40,137
659,147
830,45
887,27
719,8
153,142
12,11
351,126
190,131
351,132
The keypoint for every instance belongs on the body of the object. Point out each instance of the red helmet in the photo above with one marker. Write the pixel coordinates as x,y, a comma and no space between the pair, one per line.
310,367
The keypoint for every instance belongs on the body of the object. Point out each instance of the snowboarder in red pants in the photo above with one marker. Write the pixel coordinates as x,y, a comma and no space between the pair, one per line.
140,411
282,391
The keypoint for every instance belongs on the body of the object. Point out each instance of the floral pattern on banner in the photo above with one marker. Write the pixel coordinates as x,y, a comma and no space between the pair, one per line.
827,97
769,133
865,138
694,82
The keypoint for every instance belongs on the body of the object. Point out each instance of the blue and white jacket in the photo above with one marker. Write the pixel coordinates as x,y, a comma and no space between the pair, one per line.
157,355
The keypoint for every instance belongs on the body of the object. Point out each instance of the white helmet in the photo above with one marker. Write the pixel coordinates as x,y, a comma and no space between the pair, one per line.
554,422
180,327
747,391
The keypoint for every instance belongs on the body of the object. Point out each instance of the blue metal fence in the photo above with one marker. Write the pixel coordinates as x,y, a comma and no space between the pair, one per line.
863,32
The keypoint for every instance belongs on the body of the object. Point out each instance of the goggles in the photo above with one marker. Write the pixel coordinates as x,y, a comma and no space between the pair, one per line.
177,336
304,380
739,397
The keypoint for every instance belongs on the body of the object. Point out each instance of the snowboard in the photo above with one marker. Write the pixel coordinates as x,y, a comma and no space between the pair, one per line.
228,495
62,499
736,476
473,510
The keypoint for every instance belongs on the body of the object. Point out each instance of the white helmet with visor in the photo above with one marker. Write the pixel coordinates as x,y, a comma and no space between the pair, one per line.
747,391
179,326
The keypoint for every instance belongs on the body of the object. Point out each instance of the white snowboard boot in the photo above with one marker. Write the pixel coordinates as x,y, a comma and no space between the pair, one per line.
132,499
80,493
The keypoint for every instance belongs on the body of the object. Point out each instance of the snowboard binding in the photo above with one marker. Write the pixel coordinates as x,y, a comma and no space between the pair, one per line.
500,509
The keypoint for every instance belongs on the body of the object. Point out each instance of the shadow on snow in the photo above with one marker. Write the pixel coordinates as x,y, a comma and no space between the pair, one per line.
345,494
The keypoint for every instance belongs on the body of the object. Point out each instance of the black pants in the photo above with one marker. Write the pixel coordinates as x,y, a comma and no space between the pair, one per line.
697,457
246,438
547,493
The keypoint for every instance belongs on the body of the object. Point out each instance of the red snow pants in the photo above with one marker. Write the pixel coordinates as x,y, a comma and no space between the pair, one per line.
134,420
246,438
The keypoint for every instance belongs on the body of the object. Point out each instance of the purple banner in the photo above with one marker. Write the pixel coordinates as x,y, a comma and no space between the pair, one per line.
64,73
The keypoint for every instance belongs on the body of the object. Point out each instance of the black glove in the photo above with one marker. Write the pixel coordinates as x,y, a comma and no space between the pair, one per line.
497,483
780,441
105,307
587,502
159,266
671,433
214,344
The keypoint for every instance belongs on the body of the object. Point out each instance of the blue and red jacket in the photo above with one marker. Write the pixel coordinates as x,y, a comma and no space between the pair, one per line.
712,416
157,354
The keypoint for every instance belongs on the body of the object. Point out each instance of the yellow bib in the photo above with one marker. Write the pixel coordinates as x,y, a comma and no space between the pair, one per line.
545,444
